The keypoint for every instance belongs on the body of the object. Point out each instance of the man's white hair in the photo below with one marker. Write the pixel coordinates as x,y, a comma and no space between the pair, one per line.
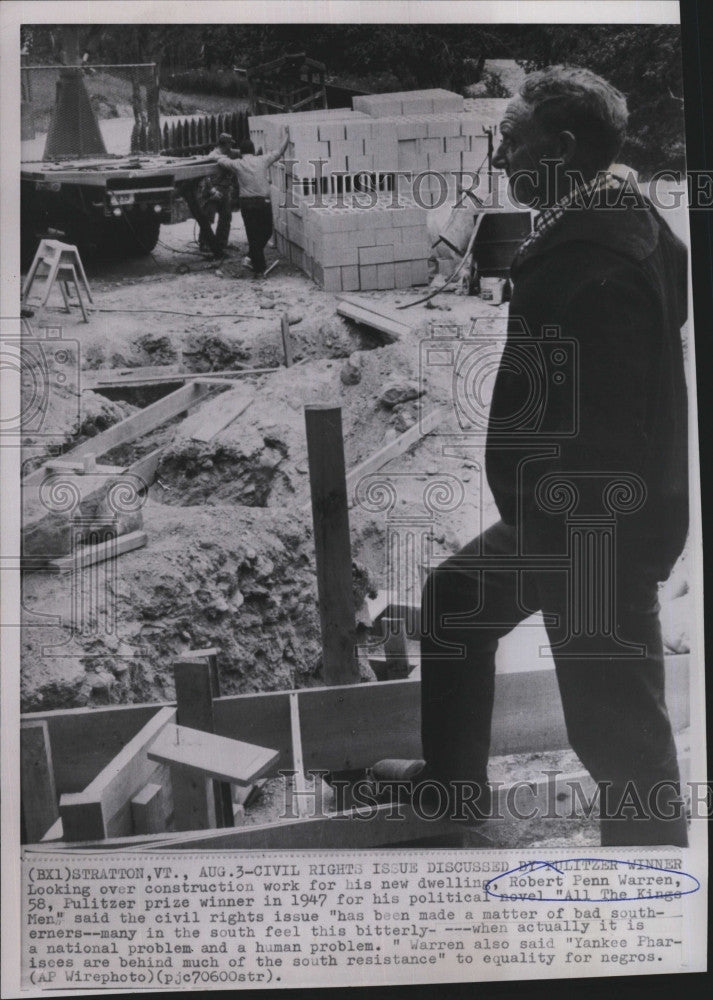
575,99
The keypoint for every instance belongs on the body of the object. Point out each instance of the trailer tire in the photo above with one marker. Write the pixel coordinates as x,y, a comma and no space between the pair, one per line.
132,235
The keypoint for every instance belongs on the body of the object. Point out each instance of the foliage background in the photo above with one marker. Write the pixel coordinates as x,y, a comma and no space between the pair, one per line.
643,61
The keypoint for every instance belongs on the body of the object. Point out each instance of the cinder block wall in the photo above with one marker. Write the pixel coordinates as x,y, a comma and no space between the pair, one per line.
339,162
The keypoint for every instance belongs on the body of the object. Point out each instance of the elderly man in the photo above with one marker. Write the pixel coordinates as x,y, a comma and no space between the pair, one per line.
586,458
255,208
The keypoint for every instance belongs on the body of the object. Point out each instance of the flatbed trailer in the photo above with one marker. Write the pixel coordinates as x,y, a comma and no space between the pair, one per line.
107,206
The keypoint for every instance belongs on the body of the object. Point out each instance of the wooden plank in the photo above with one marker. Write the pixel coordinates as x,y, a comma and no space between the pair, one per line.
108,380
325,451
196,682
83,741
352,727
390,451
396,653
147,810
286,340
88,555
396,447
300,784
389,331
257,718
147,467
216,756
377,316
134,426
93,377
217,414
104,807
356,829
37,786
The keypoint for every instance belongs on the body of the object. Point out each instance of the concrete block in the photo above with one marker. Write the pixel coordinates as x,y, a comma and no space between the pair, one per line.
434,144
350,279
385,276
446,100
377,254
355,130
300,132
367,277
411,251
419,272
331,131
402,274
417,105
383,218
377,105
384,237
367,237
411,128
444,127
337,249
360,163
332,279
414,234
457,143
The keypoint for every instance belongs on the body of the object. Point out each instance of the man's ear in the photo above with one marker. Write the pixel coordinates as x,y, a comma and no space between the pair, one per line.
567,147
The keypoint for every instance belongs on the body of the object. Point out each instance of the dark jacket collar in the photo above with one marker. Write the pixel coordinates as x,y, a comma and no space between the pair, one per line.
632,231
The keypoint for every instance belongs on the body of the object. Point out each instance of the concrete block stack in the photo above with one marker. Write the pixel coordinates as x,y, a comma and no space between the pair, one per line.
345,247
333,154
408,102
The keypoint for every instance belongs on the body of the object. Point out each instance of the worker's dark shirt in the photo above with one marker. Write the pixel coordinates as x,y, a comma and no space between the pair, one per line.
610,397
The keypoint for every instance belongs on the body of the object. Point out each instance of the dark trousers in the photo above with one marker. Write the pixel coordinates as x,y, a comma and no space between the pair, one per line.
614,706
257,217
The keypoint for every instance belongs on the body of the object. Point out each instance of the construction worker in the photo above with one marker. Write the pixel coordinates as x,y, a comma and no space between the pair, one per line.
216,194
255,207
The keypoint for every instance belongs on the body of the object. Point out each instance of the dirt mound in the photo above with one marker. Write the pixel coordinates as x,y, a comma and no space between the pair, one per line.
241,579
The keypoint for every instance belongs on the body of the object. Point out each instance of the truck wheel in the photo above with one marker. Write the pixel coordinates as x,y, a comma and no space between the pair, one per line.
136,235
139,233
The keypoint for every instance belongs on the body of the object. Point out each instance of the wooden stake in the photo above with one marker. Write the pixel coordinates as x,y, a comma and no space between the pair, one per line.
397,665
325,450
39,797
195,682
286,340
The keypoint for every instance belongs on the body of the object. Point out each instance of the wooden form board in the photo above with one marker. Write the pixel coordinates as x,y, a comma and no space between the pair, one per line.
215,756
427,423
366,827
103,809
388,322
218,413
390,451
88,555
161,375
134,426
37,786
83,741
340,728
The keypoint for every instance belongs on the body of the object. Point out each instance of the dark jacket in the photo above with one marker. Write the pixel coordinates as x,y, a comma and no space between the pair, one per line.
597,308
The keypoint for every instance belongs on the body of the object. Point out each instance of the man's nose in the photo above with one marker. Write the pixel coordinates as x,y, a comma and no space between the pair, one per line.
499,158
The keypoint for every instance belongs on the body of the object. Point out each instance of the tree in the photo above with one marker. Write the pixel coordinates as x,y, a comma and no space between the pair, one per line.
644,62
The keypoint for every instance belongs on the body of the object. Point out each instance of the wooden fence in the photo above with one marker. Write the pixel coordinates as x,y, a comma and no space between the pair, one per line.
200,135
